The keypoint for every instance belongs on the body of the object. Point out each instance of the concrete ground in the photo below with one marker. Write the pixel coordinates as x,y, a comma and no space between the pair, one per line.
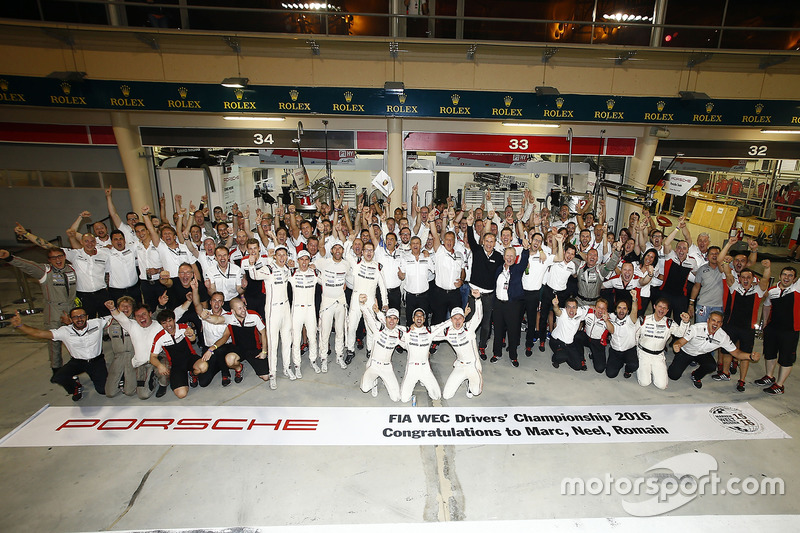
199,487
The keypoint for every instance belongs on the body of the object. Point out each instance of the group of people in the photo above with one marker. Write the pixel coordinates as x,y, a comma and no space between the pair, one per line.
176,303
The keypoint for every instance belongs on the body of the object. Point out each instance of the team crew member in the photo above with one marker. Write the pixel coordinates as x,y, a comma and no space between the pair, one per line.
277,314
708,289
556,285
304,284
508,305
58,281
389,257
622,350
675,273
418,341
121,366
652,335
84,340
699,343
485,262
415,269
387,335
741,316
627,283
461,336
249,336
184,365
367,277
449,274
211,332
562,341
149,263
591,273
333,273
254,293
539,262
225,276
595,334
171,252
178,291
123,280
782,310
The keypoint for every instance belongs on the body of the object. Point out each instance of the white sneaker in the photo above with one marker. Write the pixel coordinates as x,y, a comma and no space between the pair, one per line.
297,373
273,383
287,372
315,366
341,362
469,394
324,365
374,391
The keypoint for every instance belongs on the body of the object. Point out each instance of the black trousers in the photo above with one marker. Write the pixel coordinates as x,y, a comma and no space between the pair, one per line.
416,301
96,368
487,299
444,302
678,303
394,299
150,292
133,292
616,360
94,302
571,353
706,364
531,308
547,305
506,323
597,350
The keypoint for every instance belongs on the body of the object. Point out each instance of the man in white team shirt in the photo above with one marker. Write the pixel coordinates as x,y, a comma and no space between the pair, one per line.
224,276
304,314
212,332
460,334
171,252
622,349
388,336
367,277
333,273
699,344
123,280
562,341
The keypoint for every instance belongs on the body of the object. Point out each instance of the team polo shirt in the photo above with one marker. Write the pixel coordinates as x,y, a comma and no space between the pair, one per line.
147,257
741,306
595,327
246,334
785,305
624,336
676,273
533,277
226,280
86,343
174,346
417,272
391,263
712,290
447,268
172,258
567,327
560,273
701,342
121,268
90,269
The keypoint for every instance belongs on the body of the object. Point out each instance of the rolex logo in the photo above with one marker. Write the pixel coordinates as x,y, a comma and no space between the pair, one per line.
559,102
238,93
507,100
293,94
759,108
709,107
455,98
402,97
4,85
66,87
183,91
126,90
610,104
348,97
660,105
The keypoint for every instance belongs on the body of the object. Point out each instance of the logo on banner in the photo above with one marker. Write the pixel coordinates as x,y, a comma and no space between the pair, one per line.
294,105
708,117
240,104
66,88
6,96
183,92
758,117
559,112
125,101
455,109
507,111
352,108
735,420
406,109
609,114
659,116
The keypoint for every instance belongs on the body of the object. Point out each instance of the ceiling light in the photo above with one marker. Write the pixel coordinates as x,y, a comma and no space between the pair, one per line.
693,95
544,90
394,87
532,124
68,75
236,83
785,132
248,117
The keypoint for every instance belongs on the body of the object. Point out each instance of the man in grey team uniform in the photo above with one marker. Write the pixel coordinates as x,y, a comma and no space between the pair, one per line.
58,283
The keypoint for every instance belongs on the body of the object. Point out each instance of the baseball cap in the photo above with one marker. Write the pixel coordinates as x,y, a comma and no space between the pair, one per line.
393,312
303,253
457,311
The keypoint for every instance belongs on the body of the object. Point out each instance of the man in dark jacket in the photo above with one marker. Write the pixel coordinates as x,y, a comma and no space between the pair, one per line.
509,298
485,263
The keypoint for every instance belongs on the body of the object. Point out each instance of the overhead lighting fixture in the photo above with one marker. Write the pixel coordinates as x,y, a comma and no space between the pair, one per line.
693,95
544,90
394,49
471,52
783,132
394,87
236,83
532,124
68,75
249,117
662,132
314,47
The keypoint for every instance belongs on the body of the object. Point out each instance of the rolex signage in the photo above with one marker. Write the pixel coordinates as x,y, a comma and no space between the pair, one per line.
181,97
